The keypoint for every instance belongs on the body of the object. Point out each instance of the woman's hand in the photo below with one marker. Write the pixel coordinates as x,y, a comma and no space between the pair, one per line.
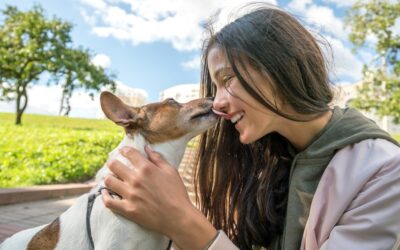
154,196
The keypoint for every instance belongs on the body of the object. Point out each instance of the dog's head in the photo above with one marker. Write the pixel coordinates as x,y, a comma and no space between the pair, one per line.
161,121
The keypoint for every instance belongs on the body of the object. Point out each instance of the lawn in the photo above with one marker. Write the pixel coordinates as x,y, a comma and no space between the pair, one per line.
51,149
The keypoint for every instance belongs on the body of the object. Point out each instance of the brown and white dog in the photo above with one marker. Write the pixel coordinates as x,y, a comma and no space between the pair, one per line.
167,127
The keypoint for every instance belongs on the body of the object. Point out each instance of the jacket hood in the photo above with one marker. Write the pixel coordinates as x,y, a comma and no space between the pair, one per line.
346,126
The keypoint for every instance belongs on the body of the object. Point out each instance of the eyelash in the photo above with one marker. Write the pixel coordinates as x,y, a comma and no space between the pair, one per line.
226,79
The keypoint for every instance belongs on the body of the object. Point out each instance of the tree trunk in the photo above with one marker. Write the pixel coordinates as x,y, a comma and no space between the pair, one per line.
68,88
62,100
18,114
68,109
21,96
67,106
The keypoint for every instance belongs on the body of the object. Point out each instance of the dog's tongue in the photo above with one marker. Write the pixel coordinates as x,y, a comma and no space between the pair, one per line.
222,114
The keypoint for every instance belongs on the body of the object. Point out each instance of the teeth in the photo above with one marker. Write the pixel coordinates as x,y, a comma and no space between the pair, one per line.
237,117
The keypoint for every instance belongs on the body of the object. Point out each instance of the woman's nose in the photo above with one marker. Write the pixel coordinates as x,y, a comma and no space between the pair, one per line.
220,101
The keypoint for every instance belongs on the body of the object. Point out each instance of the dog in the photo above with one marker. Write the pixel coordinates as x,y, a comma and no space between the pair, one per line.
166,127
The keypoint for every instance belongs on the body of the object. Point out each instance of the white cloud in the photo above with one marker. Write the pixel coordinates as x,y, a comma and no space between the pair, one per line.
178,22
122,87
366,56
82,105
348,3
322,20
345,63
46,100
343,83
102,61
98,4
193,63
299,5
320,17
341,3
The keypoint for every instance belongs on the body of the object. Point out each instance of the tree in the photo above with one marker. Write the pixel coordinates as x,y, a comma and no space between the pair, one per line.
75,70
28,45
31,45
372,26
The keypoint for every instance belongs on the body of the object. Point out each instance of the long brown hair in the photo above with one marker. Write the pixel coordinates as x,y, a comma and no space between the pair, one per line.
243,189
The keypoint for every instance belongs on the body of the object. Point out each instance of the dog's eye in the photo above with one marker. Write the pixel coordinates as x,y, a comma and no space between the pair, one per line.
171,101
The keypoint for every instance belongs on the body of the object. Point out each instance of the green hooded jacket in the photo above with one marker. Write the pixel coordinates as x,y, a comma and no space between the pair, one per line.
346,127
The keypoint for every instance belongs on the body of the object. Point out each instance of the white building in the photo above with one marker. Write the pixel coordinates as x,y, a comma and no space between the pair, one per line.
182,93
345,93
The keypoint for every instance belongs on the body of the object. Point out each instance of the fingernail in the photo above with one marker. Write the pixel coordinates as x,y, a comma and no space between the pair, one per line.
122,151
104,192
106,179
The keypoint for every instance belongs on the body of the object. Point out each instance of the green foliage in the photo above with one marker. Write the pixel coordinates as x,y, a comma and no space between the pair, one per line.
28,45
53,149
380,91
75,70
31,44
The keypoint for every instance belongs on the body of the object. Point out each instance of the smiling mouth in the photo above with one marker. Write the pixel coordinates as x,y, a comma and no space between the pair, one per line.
202,114
237,117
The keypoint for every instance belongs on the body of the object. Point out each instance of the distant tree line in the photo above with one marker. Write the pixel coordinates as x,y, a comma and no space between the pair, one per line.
31,46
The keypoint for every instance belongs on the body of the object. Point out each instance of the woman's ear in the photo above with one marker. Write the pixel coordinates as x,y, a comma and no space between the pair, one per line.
119,112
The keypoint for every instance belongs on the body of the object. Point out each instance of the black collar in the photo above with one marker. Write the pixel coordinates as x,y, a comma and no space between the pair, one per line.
89,208
90,203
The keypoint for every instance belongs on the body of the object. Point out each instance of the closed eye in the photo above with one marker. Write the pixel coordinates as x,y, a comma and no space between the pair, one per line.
172,101
226,80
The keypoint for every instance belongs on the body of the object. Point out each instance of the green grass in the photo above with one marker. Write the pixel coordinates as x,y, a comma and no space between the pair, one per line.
50,149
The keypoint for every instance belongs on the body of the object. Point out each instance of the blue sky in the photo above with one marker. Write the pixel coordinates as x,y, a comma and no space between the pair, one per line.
155,44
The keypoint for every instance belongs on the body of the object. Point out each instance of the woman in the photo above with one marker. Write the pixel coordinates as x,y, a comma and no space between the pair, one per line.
282,169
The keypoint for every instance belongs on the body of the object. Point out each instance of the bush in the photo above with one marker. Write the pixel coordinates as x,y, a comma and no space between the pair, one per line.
48,149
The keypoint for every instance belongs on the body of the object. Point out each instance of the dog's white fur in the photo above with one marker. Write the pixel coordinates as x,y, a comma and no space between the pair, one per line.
109,230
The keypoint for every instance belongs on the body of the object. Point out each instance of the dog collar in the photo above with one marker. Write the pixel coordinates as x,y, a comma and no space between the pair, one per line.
92,197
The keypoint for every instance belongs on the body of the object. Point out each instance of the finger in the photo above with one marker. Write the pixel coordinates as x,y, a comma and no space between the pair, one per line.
115,205
120,170
116,185
118,206
154,156
134,156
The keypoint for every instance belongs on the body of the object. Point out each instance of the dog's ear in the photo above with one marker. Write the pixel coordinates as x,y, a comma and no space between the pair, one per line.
119,112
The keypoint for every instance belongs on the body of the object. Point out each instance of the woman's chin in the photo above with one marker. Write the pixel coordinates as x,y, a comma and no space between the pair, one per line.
244,139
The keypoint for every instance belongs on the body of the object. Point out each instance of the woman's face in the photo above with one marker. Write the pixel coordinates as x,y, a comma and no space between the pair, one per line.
252,120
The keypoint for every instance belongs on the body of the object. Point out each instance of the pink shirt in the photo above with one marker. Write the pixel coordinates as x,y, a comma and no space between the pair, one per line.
356,204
